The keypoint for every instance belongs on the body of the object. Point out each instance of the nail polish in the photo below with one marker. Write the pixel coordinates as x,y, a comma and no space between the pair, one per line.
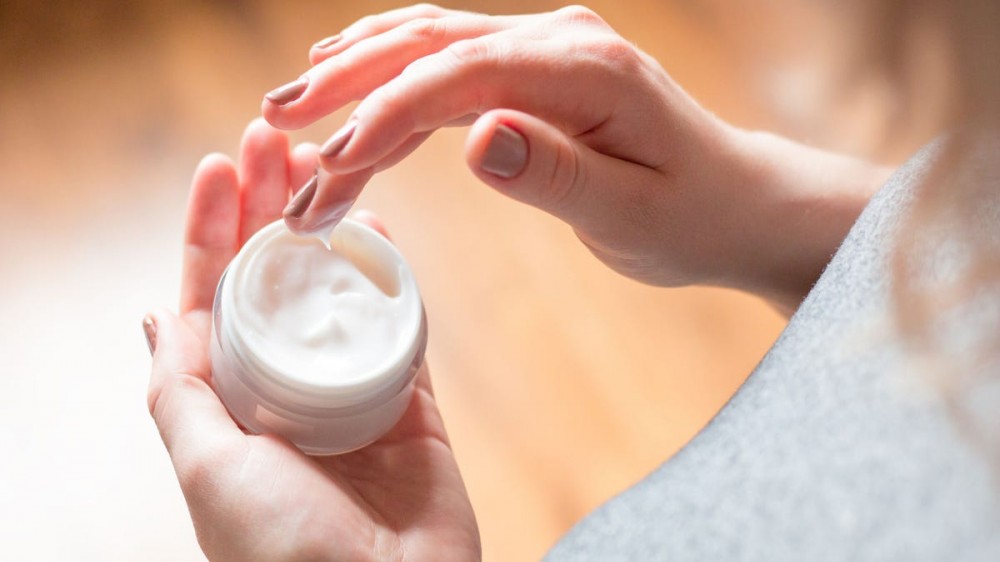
149,328
289,92
298,205
339,140
507,153
328,42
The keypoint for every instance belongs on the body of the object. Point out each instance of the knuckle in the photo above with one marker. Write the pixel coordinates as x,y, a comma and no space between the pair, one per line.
207,472
202,474
427,9
197,474
365,24
579,14
468,51
615,49
160,398
460,56
614,53
425,29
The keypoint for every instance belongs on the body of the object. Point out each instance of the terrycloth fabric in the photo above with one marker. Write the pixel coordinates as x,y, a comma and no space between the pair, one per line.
836,448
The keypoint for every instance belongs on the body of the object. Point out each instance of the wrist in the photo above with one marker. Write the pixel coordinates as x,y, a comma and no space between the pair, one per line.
797,205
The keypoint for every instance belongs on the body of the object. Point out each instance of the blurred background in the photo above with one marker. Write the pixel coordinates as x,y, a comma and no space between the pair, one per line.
561,383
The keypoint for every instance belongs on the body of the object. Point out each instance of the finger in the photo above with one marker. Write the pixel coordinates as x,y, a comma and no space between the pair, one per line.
324,201
402,151
371,219
264,177
318,208
369,26
211,231
368,64
582,78
302,163
189,415
533,162
470,77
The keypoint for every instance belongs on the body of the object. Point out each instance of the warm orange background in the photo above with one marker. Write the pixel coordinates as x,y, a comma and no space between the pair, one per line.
561,382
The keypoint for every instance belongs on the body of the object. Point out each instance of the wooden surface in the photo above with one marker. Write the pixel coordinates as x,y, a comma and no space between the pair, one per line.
561,383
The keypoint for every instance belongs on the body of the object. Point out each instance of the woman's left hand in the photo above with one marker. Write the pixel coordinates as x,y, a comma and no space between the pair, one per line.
257,497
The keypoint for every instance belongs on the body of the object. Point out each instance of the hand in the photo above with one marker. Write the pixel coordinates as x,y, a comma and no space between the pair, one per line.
257,497
571,118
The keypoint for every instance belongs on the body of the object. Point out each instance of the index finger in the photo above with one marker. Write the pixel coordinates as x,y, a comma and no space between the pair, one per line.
370,26
370,63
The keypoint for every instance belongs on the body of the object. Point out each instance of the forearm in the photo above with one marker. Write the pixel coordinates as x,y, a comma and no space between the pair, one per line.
801,204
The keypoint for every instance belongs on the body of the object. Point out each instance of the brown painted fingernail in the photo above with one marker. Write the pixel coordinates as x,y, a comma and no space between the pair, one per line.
507,153
149,328
338,141
289,92
329,41
298,205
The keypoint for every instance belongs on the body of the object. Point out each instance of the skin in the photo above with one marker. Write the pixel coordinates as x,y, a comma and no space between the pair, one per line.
655,186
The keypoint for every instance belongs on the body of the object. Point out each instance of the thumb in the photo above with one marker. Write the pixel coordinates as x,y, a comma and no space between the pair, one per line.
191,419
534,162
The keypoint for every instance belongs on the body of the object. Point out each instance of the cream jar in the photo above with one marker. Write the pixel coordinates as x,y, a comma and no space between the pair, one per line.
319,345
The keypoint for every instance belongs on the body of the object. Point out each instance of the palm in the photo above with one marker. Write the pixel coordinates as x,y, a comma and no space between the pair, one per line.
259,496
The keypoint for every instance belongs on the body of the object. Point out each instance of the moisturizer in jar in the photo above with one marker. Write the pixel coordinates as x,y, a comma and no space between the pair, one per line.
318,345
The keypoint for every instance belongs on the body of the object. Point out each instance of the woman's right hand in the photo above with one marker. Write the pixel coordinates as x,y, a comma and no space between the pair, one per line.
570,117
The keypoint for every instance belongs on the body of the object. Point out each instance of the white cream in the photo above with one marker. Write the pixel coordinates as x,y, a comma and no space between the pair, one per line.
315,313
318,345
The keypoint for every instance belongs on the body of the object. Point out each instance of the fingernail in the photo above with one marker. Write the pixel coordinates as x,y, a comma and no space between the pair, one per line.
338,141
149,328
324,43
289,92
298,205
507,153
